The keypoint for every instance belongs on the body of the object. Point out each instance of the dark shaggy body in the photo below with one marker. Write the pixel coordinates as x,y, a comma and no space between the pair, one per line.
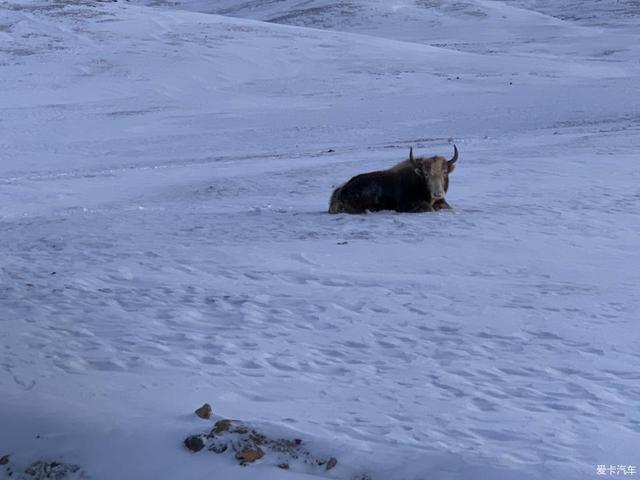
401,191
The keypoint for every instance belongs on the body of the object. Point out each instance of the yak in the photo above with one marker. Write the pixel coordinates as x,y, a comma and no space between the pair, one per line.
417,184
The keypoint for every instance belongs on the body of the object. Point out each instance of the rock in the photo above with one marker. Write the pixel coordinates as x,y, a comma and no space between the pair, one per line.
41,470
249,444
249,455
204,411
221,426
4,459
218,448
194,443
240,429
257,438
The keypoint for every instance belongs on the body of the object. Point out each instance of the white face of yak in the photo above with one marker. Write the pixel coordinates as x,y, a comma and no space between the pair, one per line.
435,171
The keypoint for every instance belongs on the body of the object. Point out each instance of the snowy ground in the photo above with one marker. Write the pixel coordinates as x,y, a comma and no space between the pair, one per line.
164,178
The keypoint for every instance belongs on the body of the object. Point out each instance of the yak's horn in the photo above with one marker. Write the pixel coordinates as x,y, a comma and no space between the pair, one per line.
455,154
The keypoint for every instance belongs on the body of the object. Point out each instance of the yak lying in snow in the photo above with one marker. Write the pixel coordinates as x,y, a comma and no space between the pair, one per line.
414,185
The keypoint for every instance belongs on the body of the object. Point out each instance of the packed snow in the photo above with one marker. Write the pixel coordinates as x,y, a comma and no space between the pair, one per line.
165,172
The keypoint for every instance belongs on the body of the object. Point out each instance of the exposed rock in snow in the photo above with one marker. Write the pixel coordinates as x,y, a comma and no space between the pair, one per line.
250,444
44,470
249,455
204,411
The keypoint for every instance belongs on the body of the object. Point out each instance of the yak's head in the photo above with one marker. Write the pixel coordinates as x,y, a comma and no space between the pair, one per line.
435,171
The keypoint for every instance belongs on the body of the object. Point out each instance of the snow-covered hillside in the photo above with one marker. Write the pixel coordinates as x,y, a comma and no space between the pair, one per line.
165,170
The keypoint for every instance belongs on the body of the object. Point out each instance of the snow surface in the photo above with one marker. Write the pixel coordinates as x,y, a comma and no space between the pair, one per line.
164,177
